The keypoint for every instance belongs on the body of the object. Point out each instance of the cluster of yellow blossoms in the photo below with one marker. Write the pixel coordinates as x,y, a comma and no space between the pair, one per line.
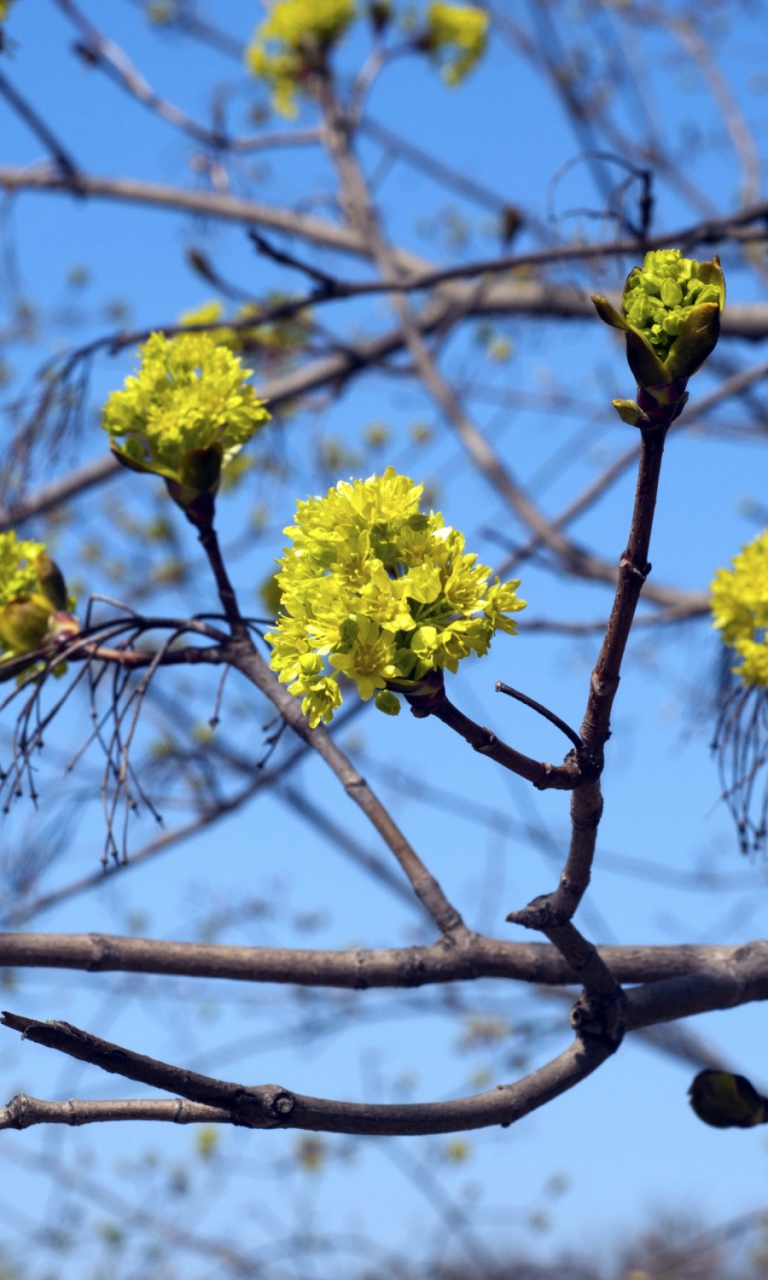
382,591
456,37
33,598
740,609
186,414
293,42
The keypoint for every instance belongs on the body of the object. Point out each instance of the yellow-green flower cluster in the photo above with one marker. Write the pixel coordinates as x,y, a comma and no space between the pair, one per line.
740,609
660,295
293,42
186,414
33,598
457,35
670,316
379,591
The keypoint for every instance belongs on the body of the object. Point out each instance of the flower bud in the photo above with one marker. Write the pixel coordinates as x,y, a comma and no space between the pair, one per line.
670,316
51,581
33,600
24,624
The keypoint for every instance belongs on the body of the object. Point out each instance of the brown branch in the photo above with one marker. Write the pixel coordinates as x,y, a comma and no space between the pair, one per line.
273,1107
250,663
554,910
545,777
552,913
210,543
739,979
469,960
500,298
209,203
38,126
23,1111
50,496
98,50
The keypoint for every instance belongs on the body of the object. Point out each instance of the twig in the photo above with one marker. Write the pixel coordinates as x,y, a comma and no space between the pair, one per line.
23,1111
66,164
284,259
249,661
570,733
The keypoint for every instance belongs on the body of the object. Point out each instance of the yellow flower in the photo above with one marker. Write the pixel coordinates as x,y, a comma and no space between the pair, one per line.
186,415
740,609
293,42
456,35
380,592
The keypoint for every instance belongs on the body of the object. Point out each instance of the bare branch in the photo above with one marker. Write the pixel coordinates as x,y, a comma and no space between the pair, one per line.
23,1111
273,1107
38,126
474,957
97,50
250,662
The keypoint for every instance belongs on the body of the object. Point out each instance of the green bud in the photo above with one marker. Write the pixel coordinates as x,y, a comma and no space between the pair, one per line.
648,369
630,412
24,623
727,1101
388,703
670,313
696,340
200,469
271,594
51,581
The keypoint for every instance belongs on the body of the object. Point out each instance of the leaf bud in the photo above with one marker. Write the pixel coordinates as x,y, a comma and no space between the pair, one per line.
727,1101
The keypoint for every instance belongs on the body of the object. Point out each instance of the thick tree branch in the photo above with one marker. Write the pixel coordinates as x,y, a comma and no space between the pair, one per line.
739,979
471,959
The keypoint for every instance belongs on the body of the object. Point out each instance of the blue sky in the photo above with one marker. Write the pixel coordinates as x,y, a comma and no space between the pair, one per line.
626,1138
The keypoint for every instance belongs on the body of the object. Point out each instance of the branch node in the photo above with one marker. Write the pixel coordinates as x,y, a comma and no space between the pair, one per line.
601,1018
635,570
604,688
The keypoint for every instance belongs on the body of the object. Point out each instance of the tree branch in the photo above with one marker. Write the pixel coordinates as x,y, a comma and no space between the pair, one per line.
273,1107
250,663
23,1111
469,960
